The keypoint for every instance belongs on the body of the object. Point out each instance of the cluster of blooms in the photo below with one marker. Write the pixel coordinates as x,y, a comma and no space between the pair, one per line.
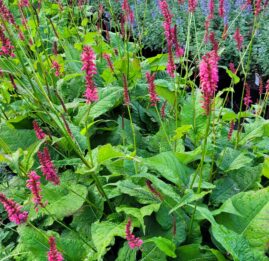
192,5
6,46
88,59
56,66
24,3
221,8
209,78
152,92
238,37
258,7
128,13
247,98
33,183
171,38
47,166
6,14
38,131
54,254
13,210
133,241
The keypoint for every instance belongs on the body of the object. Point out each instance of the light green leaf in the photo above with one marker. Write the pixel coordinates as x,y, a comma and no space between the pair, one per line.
63,200
252,224
108,152
164,244
231,159
169,167
181,131
104,233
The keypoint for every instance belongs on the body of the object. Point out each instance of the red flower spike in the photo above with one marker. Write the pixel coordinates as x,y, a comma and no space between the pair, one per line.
38,131
239,39
54,254
209,78
133,241
47,167
152,92
33,183
13,210
88,59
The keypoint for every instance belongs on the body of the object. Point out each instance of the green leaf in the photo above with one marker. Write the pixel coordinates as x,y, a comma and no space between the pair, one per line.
169,167
181,131
131,189
164,244
253,207
104,233
193,114
232,242
65,199
265,169
139,213
233,76
231,159
189,197
196,252
108,152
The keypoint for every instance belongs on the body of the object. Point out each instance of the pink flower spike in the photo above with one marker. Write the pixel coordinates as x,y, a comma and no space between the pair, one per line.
152,89
133,241
24,3
6,14
88,59
128,13
33,183
221,8
47,167
239,39
247,98
13,210
209,78
38,131
267,87
192,5
56,66
54,254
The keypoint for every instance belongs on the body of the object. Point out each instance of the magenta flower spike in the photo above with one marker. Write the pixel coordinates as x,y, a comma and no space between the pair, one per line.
133,242
38,131
54,254
33,183
88,59
152,89
56,66
239,39
47,167
13,210
208,78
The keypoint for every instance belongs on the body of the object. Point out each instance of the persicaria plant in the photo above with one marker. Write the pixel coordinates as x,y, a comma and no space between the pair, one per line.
134,130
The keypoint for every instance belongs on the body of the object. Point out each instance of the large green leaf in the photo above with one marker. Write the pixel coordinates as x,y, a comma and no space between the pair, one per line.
169,167
231,241
64,199
193,114
16,138
164,244
253,207
231,159
104,233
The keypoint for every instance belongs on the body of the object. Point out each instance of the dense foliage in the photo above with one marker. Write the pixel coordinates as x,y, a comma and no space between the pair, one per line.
109,154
